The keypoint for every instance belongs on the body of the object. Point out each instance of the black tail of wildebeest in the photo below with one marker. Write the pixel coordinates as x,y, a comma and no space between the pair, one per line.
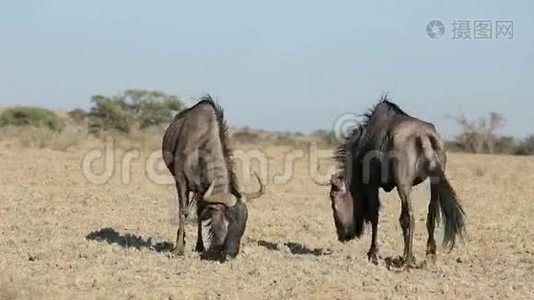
453,213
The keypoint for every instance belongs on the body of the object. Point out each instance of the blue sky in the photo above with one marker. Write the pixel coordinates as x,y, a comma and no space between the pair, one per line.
283,65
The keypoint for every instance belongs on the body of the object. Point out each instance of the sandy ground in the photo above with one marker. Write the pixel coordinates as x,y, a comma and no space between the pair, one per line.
62,236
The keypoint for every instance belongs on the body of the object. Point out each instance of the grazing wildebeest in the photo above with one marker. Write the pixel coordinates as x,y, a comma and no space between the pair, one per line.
196,152
389,149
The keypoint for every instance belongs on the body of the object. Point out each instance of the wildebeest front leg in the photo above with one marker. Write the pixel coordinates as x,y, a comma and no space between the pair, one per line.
407,223
182,207
199,247
372,255
433,210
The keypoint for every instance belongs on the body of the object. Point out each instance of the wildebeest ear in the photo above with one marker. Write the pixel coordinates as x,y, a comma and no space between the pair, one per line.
325,183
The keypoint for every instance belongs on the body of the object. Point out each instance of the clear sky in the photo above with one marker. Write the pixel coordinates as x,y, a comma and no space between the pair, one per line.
283,65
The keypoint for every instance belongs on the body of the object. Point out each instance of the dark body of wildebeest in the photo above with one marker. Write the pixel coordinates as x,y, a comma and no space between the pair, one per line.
196,152
389,149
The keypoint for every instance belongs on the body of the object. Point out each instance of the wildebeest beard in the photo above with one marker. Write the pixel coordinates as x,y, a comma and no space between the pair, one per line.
227,226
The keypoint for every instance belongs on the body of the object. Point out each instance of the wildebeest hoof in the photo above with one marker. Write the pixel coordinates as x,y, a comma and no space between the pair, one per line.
179,252
199,247
431,258
373,257
409,263
400,263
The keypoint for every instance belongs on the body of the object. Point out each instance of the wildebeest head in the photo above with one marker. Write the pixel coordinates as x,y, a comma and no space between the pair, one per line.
342,208
227,226
228,215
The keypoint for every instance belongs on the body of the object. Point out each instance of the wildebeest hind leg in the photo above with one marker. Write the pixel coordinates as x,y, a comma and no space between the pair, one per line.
407,223
432,216
182,206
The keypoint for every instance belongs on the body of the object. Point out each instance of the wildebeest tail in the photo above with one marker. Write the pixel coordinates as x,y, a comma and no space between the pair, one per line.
449,206
452,212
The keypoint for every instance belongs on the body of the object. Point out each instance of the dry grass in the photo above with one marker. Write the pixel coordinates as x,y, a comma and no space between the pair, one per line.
72,137
39,137
48,208
147,140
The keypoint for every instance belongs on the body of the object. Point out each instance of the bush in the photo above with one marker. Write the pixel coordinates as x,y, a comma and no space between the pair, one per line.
453,146
31,117
506,144
285,140
155,113
133,107
479,136
526,147
326,137
246,137
77,114
109,114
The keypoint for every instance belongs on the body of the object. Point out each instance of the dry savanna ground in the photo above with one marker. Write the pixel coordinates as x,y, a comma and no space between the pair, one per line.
62,236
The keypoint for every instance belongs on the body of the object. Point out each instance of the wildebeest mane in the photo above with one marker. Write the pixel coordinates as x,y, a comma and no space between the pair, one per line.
364,136
223,136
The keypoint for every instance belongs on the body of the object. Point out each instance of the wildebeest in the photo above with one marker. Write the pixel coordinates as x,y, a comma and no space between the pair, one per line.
196,152
389,149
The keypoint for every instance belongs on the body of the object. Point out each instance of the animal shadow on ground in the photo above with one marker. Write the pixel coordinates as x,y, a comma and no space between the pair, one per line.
294,248
111,236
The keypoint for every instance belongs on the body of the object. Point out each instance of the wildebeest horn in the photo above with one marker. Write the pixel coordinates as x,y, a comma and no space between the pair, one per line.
254,195
324,183
222,198
209,191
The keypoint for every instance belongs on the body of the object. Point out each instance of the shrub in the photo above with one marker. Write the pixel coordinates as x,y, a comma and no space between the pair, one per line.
109,114
453,146
326,137
285,140
479,136
77,114
505,144
133,107
32,117
155,113
526,146
246,137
